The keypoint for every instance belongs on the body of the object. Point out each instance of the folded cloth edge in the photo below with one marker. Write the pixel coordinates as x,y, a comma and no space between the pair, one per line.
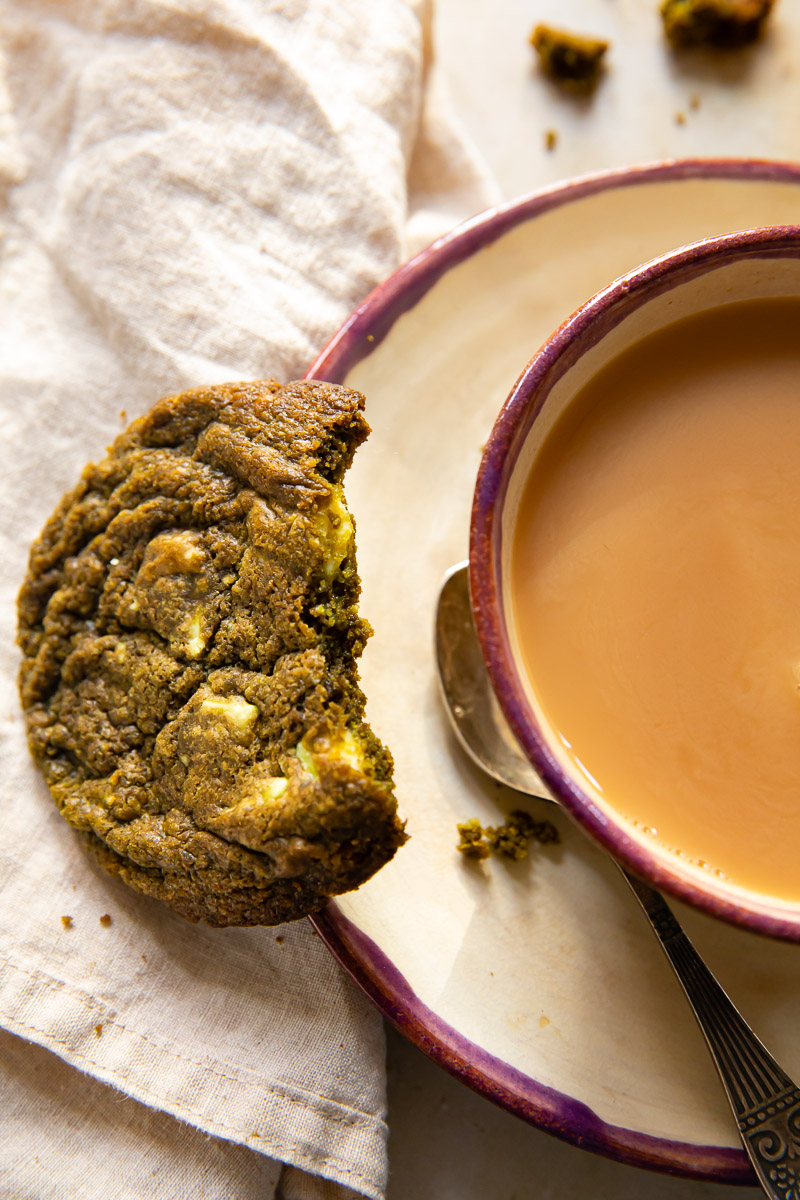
62,1011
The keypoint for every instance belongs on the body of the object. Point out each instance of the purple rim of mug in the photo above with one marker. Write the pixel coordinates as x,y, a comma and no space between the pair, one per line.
368,965
583,330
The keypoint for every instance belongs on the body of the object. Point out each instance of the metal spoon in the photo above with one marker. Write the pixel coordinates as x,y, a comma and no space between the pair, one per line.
764,1100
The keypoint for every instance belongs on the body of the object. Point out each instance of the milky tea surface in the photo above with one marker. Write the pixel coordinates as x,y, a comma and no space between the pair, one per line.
656,588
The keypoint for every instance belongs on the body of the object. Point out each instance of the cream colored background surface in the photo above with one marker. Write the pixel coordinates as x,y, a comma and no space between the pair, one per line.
747,100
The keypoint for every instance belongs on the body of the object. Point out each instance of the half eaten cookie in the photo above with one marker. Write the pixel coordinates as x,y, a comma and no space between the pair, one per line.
189,630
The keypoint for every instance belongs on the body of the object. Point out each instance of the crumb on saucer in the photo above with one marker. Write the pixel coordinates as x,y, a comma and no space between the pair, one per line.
511,839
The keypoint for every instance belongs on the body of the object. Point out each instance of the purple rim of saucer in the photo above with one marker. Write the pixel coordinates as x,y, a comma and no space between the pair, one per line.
583,330
369,967
369,323
566,1118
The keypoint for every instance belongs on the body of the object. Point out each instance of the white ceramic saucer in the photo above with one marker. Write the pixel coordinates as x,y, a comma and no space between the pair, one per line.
538,982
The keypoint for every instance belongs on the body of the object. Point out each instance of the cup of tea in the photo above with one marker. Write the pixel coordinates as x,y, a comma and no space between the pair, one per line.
635,572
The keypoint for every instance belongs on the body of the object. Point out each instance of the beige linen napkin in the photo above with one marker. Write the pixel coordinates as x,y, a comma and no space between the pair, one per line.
191,191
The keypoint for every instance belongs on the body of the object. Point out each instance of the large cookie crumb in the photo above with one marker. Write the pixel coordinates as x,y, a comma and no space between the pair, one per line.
511,839
574,62
189,630
722,24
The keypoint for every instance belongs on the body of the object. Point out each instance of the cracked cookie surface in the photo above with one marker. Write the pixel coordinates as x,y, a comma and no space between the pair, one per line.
189,630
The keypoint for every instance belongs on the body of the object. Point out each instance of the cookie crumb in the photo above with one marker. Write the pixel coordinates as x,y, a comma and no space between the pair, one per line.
279,940
718,24
105,920
472,840
511,839
550,139
520,828
572,61
694,103
66,922
98,1029
680,118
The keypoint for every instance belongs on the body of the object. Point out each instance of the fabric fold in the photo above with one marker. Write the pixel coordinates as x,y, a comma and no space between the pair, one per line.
196,191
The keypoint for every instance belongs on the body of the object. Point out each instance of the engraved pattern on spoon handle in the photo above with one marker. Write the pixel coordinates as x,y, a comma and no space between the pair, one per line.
765,1100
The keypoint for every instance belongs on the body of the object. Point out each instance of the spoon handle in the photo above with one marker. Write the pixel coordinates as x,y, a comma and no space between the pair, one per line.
765,1101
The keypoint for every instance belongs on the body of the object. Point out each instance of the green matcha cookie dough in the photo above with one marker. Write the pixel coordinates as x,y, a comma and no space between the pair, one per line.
573,62
511,839
723,24
189,631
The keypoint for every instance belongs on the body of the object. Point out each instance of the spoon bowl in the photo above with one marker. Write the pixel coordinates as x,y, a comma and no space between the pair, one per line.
477,719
